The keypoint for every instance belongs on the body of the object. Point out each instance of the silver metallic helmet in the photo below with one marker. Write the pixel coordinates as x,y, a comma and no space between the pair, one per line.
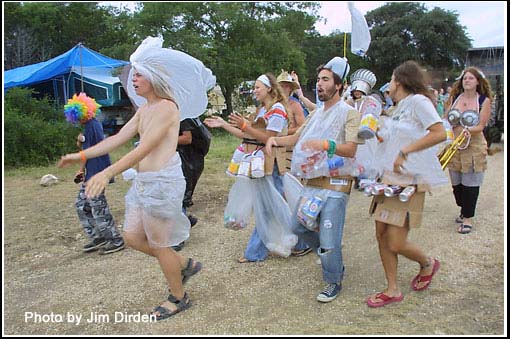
363,80
469,118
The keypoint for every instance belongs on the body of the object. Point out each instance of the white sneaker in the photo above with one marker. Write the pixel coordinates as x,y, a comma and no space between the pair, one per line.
329,293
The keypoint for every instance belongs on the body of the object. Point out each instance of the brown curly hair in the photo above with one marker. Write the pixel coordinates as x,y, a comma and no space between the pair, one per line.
483,87
414,80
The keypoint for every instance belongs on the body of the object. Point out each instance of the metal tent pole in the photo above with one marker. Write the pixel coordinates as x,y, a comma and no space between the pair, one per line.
81,66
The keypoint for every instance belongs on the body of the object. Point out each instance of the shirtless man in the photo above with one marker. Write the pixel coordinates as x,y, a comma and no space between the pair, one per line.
154,219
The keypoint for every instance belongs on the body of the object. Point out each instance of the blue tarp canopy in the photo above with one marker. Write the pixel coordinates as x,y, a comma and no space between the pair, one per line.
58,74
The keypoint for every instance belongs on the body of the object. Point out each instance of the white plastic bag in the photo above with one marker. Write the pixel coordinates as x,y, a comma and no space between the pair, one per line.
188,77
272,217
423,165
360,34
129,174
240,204
292,189
257,164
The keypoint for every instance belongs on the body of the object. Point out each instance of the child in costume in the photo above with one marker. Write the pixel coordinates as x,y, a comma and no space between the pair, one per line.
93,213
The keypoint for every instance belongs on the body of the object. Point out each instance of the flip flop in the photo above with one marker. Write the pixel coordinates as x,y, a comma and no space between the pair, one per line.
425,278
385,300
242,260
464,229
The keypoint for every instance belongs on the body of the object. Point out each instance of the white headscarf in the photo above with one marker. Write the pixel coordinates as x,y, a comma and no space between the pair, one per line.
177,74
265,80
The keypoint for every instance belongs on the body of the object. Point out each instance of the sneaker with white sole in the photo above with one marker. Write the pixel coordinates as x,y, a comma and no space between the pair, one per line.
94,245
329,293
110,247
300,253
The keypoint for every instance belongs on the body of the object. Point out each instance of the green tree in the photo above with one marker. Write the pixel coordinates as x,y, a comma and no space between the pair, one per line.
238,41
36,32
406,31
320,49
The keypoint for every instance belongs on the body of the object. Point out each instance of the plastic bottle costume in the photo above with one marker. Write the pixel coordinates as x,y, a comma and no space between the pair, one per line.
363,80
422,169
254,190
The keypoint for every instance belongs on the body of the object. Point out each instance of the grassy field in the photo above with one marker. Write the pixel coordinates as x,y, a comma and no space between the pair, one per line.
46,273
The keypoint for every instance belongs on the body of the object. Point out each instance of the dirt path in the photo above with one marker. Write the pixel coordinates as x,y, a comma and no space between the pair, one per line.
47,276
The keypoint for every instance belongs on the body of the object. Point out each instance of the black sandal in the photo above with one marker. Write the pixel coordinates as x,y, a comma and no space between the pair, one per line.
464,229
165,313
190,270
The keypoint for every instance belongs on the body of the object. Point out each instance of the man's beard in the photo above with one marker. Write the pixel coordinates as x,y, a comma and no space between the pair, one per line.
327,94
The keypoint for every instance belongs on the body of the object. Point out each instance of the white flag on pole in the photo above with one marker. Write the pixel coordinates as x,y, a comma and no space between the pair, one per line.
360,35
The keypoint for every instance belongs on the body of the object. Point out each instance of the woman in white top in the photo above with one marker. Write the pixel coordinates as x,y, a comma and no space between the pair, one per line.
414,109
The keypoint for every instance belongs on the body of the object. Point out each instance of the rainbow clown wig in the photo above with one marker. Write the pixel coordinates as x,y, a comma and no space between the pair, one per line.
81,109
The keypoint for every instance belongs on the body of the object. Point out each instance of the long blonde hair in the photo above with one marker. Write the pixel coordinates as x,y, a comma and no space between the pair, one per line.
156,73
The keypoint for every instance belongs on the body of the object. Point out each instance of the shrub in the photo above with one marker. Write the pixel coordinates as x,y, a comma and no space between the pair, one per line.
35,133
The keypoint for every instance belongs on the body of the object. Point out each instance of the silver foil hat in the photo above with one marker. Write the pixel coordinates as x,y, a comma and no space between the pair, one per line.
363,80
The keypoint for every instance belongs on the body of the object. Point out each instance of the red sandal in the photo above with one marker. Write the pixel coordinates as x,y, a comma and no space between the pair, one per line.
385,300
425,278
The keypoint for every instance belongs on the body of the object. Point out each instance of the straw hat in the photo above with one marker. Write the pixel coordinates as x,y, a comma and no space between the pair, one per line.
285,77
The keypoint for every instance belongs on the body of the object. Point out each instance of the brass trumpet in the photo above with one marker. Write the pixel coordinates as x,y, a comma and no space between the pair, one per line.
449,151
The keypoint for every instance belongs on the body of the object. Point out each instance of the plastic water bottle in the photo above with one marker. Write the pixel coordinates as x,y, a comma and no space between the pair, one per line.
312,164
245,166
257,164
367,127
233,167
449,131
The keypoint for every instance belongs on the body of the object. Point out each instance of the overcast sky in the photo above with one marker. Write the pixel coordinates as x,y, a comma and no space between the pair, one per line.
485,21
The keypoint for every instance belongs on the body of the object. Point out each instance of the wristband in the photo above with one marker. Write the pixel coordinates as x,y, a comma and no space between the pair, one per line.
83,157
403,155
331,148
